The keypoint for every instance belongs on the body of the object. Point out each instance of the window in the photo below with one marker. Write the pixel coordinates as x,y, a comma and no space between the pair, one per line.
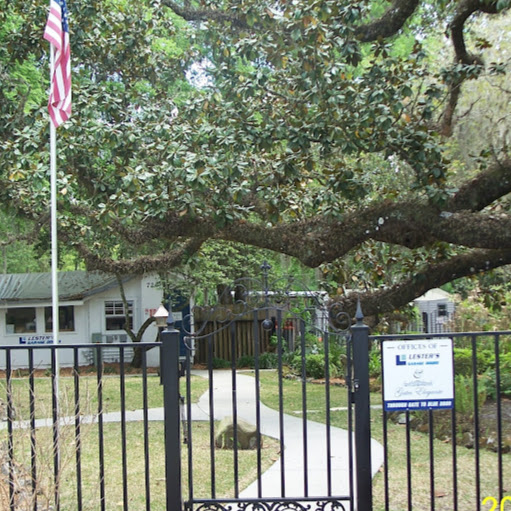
442,309
115,316
20,320
66,318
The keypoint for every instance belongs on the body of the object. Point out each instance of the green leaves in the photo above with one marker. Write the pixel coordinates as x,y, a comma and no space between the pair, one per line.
503,4
266,113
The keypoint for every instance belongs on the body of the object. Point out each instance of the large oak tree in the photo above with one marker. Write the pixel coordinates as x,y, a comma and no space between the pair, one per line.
317,129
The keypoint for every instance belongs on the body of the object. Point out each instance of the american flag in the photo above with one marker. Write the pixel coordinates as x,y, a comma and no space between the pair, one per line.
57,33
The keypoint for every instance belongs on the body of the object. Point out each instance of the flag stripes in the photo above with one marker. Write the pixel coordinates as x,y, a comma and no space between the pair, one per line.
57,33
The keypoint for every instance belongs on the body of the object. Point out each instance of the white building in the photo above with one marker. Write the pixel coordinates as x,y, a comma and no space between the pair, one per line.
90,311
436,308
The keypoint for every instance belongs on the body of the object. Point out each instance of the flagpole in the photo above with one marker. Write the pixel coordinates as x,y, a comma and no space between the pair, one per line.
54,245
55,293
59,107
53,236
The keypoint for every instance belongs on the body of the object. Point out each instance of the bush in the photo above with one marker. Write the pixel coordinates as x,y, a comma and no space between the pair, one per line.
315,358
489,384
489,379
375,363
246,361
268,360
464,394
220,363
484,310
463,361
337,358
314,366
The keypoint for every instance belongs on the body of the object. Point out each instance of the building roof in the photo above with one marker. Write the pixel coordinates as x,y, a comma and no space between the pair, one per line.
436,294
72,285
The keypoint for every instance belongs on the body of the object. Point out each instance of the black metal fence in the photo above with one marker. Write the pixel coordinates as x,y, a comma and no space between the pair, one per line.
62,449
313,464
78,440
454,459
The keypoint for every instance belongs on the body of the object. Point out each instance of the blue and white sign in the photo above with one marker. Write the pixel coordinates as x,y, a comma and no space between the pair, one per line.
418,374
37,339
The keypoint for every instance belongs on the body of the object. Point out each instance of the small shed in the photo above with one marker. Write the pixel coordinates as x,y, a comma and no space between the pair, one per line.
436,309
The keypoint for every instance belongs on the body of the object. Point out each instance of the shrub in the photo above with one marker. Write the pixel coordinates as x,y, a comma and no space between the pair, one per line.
483,310
375,363
246,361
337,358
464,394
463,361
268,360
220,363
314,366
489,379
489,384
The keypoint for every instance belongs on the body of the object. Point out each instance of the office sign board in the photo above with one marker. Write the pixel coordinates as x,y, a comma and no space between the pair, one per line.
36,339
418,374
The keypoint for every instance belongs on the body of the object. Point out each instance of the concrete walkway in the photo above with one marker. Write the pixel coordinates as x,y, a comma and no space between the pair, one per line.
295,472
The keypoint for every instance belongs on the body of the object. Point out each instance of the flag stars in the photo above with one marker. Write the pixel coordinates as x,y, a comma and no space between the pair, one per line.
65,16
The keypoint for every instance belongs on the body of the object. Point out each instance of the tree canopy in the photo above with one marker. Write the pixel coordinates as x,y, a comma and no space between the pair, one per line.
345,134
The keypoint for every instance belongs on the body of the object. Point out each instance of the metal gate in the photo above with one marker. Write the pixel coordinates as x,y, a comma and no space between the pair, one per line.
319,370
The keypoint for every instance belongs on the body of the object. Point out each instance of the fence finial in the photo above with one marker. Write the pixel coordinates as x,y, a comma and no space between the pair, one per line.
359,316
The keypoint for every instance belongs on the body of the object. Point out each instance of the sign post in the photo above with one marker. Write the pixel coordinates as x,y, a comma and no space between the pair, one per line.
418,374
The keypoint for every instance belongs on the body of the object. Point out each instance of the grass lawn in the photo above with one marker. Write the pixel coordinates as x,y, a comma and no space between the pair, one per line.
113,480
419,448
315,399
89,394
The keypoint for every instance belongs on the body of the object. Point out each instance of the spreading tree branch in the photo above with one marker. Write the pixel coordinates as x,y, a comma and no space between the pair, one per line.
193,14
317,240
464,11
433,275
389,24
140,265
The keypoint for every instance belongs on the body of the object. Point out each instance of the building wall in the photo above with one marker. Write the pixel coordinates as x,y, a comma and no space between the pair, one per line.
42,357
89,318
146,297
433,321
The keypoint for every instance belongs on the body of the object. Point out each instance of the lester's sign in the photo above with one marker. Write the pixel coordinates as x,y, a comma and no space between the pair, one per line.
418,374
37,339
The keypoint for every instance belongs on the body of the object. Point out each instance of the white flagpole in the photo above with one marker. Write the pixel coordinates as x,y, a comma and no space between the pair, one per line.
54,238
54,243
59,108
54,283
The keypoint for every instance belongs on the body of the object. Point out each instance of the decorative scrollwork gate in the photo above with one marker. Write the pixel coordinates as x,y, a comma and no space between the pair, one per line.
313,385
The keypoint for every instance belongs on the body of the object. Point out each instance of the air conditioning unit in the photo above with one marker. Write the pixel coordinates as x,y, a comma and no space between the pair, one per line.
116,338
97,337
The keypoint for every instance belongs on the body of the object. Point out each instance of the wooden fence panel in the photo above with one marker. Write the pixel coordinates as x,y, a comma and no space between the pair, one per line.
243,330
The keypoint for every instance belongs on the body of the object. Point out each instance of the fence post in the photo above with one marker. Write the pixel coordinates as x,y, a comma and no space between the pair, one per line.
169,370
360,338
